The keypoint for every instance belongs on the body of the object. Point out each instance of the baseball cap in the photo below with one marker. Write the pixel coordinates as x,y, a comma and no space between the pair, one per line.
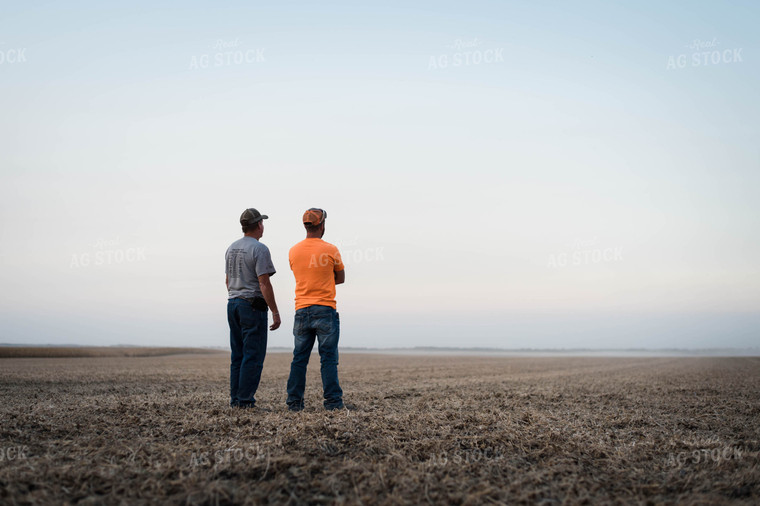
251,216
314,216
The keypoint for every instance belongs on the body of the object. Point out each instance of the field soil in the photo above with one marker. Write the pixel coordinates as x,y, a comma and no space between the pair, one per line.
95,351
427,429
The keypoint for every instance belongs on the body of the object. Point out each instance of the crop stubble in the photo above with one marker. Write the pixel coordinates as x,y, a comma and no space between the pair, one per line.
432,429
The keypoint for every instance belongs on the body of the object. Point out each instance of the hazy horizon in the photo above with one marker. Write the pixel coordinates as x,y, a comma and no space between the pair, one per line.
510,175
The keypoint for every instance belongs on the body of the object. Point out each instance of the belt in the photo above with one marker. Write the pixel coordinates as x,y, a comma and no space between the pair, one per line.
257,303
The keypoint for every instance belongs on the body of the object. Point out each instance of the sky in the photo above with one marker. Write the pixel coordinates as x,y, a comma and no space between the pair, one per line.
496,174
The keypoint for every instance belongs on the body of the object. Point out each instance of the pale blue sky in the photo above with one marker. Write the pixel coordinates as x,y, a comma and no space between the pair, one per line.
573,192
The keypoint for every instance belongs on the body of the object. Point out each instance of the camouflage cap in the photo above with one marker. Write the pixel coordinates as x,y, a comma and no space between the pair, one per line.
251,216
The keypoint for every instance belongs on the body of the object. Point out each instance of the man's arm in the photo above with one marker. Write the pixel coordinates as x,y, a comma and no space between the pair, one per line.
340,276
268,292
227,282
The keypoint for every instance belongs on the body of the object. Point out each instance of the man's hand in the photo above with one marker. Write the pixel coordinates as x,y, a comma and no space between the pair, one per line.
275,321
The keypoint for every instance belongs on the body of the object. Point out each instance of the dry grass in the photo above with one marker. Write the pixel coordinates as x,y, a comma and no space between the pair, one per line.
429,430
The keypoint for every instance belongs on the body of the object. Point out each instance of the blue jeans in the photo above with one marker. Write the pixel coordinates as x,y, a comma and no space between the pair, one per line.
248,342
322,323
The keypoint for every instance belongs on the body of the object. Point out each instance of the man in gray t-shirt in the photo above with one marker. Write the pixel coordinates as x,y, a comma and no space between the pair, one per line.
247,259
250,294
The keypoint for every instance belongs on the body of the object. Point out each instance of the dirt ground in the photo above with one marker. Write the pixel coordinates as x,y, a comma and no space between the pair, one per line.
427,429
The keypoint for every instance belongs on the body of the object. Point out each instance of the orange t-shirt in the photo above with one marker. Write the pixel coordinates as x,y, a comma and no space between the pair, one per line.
314,262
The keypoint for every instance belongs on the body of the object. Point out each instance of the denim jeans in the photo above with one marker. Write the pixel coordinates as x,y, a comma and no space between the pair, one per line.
322,323
248,342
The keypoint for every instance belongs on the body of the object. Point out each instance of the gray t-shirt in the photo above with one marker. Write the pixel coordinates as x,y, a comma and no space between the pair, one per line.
247,259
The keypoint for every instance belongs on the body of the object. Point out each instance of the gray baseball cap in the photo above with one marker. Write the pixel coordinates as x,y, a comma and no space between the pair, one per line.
251,216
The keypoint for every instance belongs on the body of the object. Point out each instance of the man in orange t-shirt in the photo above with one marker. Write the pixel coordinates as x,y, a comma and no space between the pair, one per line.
317,267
